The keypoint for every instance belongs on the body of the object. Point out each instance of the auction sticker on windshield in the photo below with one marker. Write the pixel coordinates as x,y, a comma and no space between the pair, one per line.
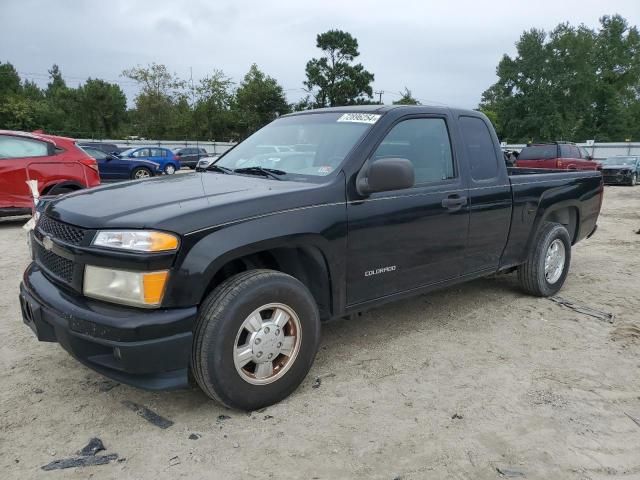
359,118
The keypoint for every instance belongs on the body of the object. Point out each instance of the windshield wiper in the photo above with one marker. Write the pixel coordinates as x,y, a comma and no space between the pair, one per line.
218,168
266,172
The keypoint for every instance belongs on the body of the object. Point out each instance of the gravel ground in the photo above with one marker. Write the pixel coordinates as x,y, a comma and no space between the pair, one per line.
476,381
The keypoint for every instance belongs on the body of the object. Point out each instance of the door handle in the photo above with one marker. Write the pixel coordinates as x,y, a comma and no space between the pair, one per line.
454,202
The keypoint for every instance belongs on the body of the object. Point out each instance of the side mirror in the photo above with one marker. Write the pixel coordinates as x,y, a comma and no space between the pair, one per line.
589,157
110,156
386,174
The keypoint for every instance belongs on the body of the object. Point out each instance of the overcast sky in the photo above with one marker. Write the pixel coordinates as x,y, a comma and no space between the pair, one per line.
444,52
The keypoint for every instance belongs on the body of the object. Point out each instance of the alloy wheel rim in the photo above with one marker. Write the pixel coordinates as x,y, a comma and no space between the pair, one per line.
267,344
142,174
170,170
554,261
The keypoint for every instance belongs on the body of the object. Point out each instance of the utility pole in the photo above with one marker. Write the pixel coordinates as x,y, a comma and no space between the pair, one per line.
193,101
380,93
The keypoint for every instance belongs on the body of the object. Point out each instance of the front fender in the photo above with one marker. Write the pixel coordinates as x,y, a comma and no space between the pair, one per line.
322,227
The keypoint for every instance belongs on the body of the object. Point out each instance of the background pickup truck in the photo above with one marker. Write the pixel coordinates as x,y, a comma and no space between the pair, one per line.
556,156
223,277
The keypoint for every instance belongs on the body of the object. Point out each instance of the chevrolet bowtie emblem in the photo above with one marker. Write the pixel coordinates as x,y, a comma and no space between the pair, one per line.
47,243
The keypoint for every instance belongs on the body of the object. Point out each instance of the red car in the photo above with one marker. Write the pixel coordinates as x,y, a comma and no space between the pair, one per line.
557,156
56,162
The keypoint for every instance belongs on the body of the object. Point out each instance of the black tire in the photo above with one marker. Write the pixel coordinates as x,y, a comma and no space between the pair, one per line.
531,274
62,190
220,318
139,173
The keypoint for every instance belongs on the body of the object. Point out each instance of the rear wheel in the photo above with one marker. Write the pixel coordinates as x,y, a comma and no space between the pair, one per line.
256,338
140,172
170,169
546,269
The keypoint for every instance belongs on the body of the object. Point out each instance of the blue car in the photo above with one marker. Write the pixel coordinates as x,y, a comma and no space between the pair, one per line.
112,167
165,157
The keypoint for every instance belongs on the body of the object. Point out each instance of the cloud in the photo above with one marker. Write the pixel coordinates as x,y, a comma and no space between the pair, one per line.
443,52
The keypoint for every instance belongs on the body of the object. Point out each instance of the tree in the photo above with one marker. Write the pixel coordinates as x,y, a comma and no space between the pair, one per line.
406,98
334,79
617,58
103,106
571,84
62,112
9,80
259,99
212,110
160,92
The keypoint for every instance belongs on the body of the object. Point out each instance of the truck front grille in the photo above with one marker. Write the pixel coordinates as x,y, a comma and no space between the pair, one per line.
54,264
61,231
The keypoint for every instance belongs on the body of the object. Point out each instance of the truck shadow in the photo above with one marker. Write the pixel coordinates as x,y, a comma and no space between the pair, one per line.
12,222
346,343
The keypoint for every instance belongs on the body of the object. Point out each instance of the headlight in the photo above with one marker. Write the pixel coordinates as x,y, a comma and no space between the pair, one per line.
140,289
136,240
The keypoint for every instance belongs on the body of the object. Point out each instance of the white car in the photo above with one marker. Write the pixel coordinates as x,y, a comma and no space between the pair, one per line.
203,163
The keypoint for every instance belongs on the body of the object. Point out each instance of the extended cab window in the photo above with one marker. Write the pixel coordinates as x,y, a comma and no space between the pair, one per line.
479,147
18,147
425,143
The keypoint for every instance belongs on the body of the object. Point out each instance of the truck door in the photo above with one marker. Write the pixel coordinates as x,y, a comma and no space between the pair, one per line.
405,239
489,195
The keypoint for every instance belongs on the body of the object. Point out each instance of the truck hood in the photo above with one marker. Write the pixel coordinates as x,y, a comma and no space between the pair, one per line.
183,203
618,167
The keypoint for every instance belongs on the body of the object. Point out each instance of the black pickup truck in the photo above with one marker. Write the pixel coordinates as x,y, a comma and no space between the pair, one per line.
224,277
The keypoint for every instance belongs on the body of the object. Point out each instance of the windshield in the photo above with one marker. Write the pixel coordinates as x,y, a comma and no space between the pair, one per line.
300,146
126,152
620,161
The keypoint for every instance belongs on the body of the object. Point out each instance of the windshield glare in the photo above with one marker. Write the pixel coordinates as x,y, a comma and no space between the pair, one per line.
312,145
126,152
620,161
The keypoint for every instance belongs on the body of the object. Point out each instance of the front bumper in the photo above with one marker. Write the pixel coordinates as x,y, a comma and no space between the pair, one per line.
616,178
149,349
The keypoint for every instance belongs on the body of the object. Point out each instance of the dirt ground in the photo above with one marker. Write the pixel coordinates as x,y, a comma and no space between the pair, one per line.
477,382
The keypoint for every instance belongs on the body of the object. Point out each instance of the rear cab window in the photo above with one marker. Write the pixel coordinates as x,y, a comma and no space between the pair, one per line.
479,148
539,152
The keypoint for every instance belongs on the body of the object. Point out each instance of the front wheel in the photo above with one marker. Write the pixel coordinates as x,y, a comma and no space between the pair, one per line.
547,266
140,172
170,169
255,339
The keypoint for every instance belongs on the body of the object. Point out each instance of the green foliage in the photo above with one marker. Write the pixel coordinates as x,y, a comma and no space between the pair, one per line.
334,79
406,98
212,116
157,103
573,83
259,100
102,106
168,107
